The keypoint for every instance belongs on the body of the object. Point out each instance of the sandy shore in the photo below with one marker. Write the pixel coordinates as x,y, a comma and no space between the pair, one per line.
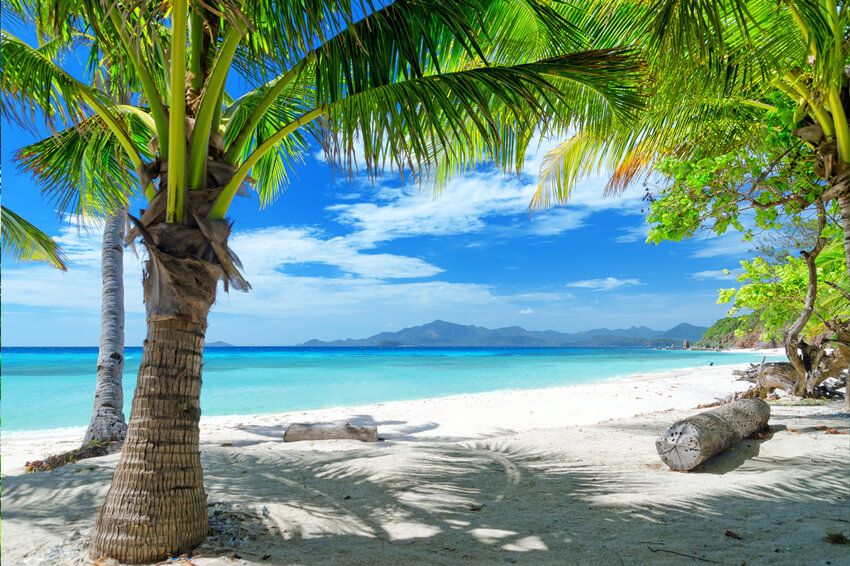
565,475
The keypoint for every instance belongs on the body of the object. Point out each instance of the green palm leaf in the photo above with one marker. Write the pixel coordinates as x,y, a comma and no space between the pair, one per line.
25,242
82,170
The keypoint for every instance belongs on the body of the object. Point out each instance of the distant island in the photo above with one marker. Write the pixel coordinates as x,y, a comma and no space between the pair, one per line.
218,344
440,333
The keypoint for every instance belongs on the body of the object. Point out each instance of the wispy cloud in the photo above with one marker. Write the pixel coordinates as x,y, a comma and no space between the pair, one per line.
604,284
731,244
633,234
559,220
371,270
717,274
269,249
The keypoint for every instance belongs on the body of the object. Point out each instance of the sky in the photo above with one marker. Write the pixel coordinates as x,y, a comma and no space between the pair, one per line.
337,258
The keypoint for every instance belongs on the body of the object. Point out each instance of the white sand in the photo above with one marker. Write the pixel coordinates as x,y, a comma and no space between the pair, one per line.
566,475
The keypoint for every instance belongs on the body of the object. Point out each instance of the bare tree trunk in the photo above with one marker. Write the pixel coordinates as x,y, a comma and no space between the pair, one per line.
793,344
107,419
844,209
156,504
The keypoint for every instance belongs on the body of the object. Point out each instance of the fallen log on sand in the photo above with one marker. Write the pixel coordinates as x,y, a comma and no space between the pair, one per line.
689,442
297,432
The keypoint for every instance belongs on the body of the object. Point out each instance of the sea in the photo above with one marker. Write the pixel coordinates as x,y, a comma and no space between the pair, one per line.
44,389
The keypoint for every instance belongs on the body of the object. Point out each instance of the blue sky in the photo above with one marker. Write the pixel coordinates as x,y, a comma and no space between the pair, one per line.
335,258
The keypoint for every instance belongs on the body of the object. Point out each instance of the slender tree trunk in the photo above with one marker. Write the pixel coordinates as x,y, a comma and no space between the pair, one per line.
792,336
107,419
844,211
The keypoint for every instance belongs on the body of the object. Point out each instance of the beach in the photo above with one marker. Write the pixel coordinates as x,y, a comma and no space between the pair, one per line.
562,475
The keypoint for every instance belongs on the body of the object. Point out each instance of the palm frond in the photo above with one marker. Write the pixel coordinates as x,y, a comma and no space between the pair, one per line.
31,82
25,242
83,170
476,112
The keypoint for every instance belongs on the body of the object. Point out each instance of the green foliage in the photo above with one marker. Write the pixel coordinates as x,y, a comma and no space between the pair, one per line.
25,242
713,69
83,170
724,332
422,85
776,293
765,188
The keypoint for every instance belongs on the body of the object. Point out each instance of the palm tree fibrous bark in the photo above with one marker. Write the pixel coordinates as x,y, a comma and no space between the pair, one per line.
139,521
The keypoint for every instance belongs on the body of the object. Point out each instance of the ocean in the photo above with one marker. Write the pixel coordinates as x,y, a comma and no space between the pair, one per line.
53,388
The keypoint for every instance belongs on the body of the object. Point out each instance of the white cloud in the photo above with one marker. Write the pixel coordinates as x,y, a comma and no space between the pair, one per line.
463,207
717,274
469,203
633,234
268,249
730,244
604,284
79,288
559,220
370,288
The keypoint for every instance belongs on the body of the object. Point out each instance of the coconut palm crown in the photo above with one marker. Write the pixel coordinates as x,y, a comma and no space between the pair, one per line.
429,88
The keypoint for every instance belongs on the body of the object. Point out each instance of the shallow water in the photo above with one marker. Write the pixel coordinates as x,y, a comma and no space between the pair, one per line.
49,388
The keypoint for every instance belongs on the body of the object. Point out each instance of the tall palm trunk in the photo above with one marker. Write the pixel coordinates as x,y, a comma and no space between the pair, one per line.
107,418
156,505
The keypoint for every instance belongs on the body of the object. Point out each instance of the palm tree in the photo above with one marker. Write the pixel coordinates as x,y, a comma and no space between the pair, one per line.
715,70
427,86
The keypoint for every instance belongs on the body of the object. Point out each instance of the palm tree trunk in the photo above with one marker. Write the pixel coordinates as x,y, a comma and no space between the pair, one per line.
156,505
107,419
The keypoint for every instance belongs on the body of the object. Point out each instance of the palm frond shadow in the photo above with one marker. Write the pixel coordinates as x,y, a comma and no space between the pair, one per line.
492,499
559,496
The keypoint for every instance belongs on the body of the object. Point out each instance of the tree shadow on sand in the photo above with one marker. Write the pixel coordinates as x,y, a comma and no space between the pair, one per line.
524,499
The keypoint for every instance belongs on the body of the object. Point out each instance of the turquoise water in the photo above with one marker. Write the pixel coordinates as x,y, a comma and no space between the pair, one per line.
49,388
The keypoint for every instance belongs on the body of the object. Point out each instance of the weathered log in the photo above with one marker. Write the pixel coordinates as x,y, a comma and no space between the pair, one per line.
691,441
296,432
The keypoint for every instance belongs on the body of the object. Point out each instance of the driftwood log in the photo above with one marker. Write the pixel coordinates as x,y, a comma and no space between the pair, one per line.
296,432
689,442
767,377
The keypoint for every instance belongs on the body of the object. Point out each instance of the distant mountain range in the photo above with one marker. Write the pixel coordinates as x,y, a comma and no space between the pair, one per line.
446,334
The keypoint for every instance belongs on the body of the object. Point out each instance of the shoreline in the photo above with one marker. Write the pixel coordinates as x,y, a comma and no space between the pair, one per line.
461,416
67,431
